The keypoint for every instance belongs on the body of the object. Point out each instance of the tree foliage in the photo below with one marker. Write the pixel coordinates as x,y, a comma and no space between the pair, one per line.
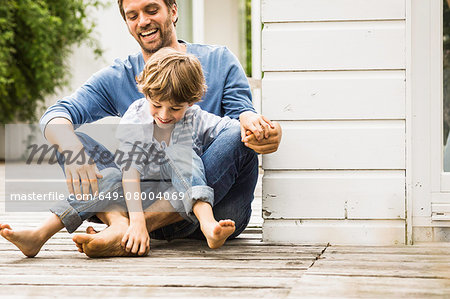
248,36
446,64
36,37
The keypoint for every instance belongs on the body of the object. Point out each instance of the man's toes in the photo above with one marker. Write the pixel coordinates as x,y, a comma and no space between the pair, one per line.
91,230
79,247
5,225
81,239
6,232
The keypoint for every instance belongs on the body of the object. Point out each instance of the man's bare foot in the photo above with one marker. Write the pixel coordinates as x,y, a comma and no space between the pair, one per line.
216,233
28,241
103,244
89,230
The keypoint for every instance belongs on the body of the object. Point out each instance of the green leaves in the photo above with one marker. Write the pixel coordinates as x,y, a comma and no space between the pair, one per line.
36,37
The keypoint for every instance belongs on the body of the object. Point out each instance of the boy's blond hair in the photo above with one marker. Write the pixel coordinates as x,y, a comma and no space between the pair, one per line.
172,75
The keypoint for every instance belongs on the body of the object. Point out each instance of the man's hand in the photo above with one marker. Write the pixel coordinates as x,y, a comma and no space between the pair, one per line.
59,131
258,124
266,145
81,170
136,239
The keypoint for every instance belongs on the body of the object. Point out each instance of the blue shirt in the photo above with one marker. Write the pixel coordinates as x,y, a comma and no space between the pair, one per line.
113,89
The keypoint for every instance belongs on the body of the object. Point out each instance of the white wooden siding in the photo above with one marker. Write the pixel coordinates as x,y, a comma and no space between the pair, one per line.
333,46
335,79
334,95
334,195
325,10
340,145
336,232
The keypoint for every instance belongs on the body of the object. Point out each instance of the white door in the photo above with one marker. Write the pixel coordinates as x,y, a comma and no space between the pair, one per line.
428,190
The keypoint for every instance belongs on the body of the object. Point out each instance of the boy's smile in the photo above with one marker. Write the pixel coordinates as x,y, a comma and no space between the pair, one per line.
167,113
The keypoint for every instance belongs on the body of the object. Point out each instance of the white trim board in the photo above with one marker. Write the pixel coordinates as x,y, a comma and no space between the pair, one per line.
331,10
336,232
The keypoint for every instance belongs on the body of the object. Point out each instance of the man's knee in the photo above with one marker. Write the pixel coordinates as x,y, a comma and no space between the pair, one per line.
84,138
232,137
111,180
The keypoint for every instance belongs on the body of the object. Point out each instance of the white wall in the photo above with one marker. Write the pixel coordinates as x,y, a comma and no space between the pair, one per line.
334,77
223,25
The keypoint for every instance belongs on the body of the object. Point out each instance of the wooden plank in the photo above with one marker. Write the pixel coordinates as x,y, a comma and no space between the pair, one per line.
334,95
337,232
340,145
412,250
145,263
146,281
335,194
380,268
333,46
331,10
391,257
131,271
373,287
141,291
196,249
174,255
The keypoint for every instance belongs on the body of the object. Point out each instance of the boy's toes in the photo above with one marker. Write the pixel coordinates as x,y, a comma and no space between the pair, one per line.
226,222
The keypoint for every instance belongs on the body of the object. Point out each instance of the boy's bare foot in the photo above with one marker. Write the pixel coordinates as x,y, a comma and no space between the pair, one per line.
103,244
216,233
28,241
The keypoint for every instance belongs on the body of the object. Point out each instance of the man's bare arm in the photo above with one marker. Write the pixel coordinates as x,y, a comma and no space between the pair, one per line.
59,131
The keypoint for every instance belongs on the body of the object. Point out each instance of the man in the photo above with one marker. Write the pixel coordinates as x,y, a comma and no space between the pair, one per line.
110,92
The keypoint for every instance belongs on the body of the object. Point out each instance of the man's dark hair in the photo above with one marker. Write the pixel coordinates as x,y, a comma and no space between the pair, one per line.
169,4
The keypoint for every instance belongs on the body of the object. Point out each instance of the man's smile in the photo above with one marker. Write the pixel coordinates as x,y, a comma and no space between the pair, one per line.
149,34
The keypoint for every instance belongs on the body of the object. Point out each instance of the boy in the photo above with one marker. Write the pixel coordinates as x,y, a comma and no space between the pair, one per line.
170,136
171,82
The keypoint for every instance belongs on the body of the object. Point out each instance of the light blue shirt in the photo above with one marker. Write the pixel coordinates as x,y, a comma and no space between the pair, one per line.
196,130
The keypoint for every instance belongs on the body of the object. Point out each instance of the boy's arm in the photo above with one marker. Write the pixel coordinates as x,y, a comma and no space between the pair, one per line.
136,239
256,124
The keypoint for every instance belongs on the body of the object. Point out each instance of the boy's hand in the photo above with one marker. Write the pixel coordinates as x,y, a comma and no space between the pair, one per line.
136,239
266,145
257,124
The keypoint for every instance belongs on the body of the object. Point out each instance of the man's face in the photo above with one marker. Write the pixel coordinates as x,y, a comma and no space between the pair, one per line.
166,113
150,22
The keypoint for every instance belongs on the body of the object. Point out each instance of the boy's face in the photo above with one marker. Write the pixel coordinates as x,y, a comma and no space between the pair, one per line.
167,113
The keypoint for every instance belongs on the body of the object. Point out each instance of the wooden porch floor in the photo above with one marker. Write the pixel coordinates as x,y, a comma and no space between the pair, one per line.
245,268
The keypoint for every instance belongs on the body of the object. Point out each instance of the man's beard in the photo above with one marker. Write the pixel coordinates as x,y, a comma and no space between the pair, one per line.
165,38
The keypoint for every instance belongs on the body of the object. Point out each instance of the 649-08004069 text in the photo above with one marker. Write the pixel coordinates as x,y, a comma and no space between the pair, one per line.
54,196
